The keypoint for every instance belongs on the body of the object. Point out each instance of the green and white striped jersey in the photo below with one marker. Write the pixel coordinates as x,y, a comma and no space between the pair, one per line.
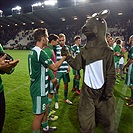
38,61
75,49
64,66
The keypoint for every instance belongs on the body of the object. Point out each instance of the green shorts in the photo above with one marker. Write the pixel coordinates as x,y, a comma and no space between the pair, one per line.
39,104
76,72
65,76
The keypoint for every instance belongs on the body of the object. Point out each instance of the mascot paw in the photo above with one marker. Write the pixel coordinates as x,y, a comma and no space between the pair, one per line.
64,51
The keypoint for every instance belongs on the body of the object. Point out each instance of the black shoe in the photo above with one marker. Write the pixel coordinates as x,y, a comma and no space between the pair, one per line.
51,129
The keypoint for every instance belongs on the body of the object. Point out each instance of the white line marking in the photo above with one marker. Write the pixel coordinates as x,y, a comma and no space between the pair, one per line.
119,108
21,86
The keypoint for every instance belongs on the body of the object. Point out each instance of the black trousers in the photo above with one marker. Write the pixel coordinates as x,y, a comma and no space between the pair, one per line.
2,110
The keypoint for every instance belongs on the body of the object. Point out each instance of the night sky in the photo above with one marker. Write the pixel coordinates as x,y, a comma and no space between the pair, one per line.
6,5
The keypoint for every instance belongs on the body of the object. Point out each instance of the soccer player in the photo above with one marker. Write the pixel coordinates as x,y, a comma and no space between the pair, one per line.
117,56
6,66
63,72
49,49
76,73
38,64
129,75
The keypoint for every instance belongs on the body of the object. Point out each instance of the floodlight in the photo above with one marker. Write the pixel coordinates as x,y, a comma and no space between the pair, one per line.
120,13
37,4
16,10
50,2
24,23
63,19
1,26
42,22
1,13
16,24
75,18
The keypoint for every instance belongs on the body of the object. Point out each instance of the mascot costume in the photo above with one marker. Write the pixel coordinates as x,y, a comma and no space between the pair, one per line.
97,102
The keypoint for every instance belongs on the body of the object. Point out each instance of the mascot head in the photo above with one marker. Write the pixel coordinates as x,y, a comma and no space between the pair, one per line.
95,27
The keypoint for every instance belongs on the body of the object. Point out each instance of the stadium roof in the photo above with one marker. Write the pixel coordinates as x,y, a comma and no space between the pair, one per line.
54,16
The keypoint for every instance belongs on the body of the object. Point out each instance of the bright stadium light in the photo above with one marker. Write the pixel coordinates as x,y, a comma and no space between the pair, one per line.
120,13
32,23
75,18
63,19
24,24
16,10
1,13
37,6
42,22
50,2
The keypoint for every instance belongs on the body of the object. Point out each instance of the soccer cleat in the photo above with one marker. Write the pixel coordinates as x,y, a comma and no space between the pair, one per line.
73,89
68,101
77,92
53,117
52,112
50,130
130,104
56,105
128,98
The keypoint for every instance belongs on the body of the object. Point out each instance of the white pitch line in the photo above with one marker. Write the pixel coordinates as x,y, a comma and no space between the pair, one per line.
119,108
21,86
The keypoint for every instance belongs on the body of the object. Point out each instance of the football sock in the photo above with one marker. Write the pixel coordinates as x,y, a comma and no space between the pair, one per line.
65,94
49,101
56,97
77,84
45,125
73,83
36,131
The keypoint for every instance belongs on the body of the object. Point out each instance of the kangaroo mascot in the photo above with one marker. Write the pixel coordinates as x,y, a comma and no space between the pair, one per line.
97,102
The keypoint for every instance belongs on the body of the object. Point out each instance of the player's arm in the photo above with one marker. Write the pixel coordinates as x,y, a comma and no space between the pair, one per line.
127,64
55,66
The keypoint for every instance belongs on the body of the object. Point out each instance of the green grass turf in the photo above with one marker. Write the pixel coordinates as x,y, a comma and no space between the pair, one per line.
19,106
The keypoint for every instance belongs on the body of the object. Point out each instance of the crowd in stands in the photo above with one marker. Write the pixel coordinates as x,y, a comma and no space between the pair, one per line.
18,38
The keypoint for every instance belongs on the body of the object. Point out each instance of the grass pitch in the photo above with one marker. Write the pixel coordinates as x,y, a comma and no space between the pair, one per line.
19,106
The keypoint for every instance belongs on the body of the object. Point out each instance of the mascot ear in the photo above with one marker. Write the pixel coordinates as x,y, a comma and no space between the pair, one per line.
104,13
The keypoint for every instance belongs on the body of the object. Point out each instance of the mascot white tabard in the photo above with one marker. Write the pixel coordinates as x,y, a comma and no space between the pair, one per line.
97,103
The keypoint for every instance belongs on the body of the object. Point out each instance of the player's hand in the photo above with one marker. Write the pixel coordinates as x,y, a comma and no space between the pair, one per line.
8,65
